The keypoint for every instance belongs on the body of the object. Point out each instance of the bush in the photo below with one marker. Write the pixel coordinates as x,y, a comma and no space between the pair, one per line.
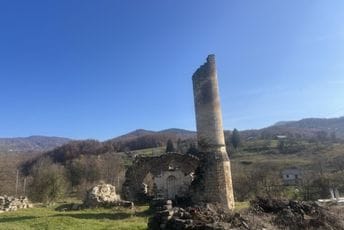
48,182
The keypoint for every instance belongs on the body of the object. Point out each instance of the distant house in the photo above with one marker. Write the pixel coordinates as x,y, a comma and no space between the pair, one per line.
292,176
279,137
250,138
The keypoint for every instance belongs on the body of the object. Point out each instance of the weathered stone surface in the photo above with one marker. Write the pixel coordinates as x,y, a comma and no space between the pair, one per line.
10,203
102,195
214,180
208,108
173,167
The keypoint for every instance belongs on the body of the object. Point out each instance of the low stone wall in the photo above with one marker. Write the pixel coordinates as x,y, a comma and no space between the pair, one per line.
10,203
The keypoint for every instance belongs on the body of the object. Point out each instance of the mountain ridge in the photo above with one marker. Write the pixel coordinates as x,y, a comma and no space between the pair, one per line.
306,128
34,143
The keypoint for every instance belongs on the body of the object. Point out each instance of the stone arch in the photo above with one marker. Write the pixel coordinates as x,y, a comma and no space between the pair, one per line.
142,166
171,187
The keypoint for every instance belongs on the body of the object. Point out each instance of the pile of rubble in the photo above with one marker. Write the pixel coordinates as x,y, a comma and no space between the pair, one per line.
289,214
104,195
268,214
10,203
204,216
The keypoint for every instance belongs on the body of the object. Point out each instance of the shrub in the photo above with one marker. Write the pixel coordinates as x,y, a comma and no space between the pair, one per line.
48,183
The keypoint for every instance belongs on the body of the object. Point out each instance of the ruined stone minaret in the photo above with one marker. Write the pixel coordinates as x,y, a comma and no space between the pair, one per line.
215,183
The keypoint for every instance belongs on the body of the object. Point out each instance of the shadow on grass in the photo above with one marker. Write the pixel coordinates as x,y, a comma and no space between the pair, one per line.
97,216
145,213
16,218
110,216
69,207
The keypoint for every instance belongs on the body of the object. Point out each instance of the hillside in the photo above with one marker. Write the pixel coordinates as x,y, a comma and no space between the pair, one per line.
172,133
307,128
330,125
138,139
31,144
141,139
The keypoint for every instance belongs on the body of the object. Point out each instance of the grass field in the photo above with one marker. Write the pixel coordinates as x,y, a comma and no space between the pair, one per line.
48,218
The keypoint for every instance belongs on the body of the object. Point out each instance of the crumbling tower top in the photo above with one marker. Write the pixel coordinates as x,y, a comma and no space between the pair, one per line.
208,109
211,58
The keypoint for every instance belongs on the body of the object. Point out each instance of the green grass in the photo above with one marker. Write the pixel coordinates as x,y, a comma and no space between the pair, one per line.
304,159
48,218
241,206
285,160
150,151
41,217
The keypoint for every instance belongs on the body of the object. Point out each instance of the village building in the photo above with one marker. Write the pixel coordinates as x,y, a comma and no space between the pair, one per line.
292,176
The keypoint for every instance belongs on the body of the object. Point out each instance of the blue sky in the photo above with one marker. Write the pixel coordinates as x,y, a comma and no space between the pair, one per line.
98,69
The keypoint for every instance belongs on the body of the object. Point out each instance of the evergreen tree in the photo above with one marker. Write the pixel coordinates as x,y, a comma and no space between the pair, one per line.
170,147
192,150
235,139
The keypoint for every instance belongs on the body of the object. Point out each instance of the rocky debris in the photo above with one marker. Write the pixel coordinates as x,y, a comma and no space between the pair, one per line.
264,213
289,214
10,203
101,195
104,195
206,216
157,204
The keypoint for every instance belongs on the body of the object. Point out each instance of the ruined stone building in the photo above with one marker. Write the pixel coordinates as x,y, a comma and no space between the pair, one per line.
172,175
165,176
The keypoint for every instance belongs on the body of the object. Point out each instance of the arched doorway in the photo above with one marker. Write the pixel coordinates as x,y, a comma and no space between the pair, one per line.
171,187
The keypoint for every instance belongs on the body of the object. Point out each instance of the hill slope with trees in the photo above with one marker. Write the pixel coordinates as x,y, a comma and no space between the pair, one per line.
31,144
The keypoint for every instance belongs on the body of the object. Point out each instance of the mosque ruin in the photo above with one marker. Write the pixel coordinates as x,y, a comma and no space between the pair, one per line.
205,178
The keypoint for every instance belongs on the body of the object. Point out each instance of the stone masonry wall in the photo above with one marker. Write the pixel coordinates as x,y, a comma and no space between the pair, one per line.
10,203
214,182
142,166
208,108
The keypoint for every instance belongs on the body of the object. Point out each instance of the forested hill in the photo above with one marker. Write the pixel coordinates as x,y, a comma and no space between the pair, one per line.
183,139
139,139
305,128
31,144
331,125
134,139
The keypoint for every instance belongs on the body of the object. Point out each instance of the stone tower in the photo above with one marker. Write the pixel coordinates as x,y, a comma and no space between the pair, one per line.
214,185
